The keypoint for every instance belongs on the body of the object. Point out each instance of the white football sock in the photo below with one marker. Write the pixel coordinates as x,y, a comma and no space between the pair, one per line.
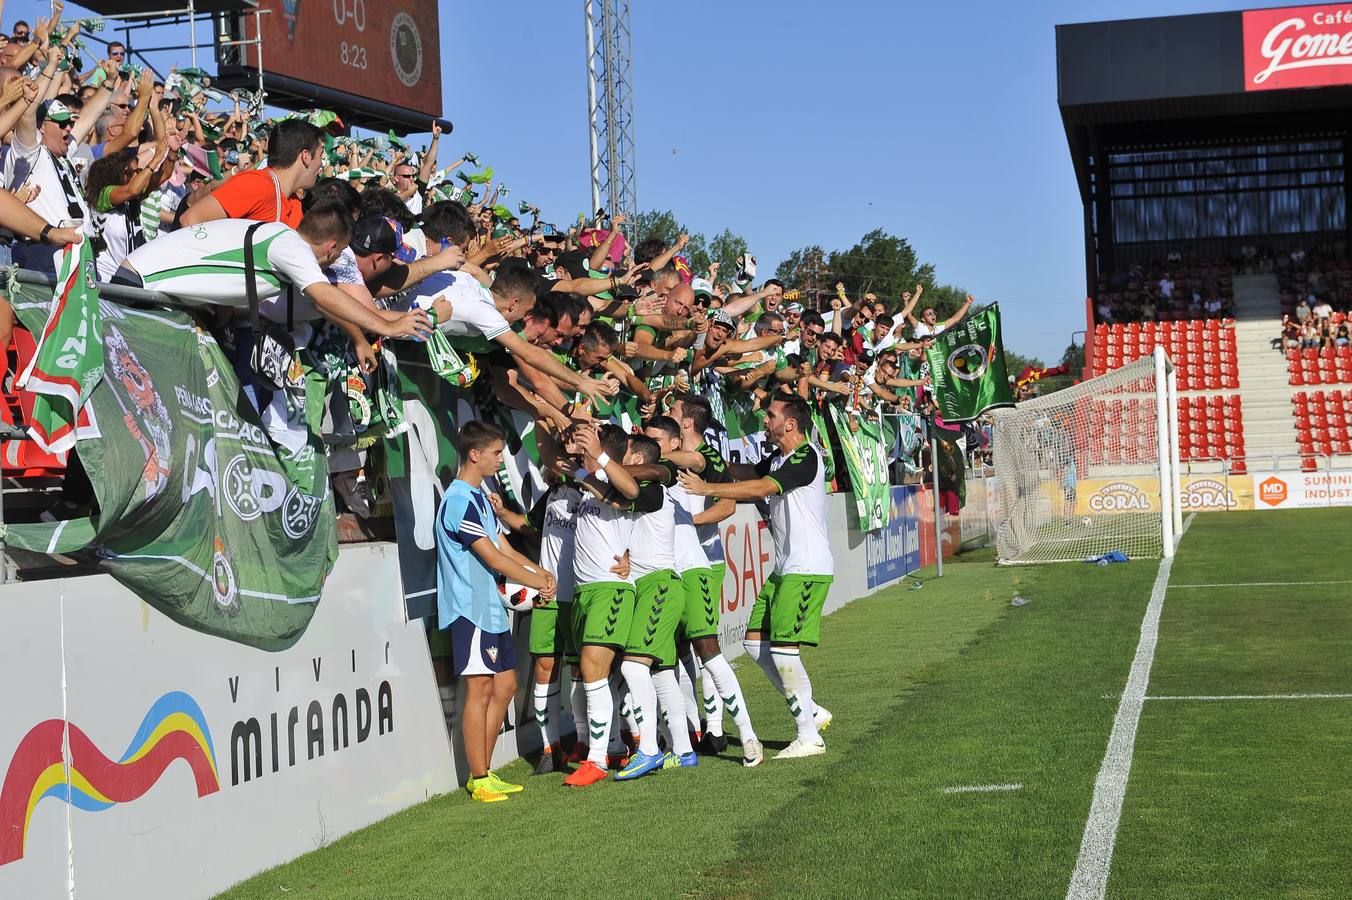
760,652
685,677
600,708
729,690
622,718
541,697
670,699
797,691
579,704
642,703
712,705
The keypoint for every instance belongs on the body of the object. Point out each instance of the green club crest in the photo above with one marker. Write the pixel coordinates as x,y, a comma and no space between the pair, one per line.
968,362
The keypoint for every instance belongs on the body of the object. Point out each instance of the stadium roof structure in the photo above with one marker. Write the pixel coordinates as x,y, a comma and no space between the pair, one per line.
1208,128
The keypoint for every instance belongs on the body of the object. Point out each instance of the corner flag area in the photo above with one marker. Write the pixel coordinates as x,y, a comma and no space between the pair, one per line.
974,745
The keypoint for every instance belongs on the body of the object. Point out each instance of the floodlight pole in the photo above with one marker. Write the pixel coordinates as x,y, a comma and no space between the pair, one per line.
610,108
1162,442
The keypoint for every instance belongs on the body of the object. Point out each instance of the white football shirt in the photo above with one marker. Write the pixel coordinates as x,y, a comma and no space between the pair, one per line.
555,518
797,513
601,533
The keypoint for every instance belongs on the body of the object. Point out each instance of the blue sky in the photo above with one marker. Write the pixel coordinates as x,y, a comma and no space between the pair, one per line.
800,123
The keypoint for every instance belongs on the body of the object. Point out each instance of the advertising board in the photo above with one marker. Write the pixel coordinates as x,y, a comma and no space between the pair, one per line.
1136,494
127,737
1301,490
1297,47
893,551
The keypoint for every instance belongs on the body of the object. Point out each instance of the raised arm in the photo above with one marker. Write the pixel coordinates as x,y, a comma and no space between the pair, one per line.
912,300
546,362
740,491
962,311
660,261
602,251
745,303
343,307
589,442
132,129
429,160
647,349
26,129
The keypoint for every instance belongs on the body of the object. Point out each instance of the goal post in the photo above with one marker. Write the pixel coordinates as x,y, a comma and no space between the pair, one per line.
1091,469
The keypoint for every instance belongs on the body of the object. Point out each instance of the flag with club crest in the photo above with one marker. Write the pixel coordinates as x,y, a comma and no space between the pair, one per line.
967,366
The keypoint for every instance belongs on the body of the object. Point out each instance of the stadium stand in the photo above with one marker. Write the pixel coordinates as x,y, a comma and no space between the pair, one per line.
1203,350
1322,420
1313,365
1211,423
1224,417
1167,292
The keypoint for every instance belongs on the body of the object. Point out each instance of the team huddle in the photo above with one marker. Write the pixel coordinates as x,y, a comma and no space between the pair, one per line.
626,591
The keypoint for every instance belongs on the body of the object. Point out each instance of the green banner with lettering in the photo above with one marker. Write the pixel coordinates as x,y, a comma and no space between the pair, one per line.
201,511
866,449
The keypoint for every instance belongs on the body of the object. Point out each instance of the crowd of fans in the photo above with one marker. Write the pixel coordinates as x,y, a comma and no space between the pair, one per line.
1175,289
376,242
1316,296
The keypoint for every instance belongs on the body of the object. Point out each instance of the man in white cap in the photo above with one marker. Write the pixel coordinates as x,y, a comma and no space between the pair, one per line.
38,159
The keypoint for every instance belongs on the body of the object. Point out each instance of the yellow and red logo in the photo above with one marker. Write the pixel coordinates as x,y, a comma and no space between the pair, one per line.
1272,491
174,728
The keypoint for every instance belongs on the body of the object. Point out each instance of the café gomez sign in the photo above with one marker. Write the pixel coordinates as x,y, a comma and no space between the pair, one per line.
1297,47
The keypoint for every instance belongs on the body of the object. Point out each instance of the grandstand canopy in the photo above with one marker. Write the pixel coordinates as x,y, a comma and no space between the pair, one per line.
1204,132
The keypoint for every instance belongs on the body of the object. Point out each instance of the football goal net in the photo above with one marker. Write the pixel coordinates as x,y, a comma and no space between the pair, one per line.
1091,469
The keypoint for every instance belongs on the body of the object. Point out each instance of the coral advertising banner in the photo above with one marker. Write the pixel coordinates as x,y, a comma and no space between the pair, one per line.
1201,493
1297,47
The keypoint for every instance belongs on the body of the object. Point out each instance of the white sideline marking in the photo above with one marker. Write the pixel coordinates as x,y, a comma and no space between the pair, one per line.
982,788
1174,587
1089,881
1212,697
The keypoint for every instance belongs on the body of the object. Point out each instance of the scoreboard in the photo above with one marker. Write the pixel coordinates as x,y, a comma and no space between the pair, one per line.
382,50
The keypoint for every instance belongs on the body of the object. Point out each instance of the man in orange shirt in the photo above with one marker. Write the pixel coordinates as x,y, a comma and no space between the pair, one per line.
295,158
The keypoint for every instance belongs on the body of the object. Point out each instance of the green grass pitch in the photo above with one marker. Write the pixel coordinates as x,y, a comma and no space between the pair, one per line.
948,687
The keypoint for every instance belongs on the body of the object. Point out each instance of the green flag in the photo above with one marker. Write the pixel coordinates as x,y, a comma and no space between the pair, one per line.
861,442
199,512
476,177
952,471
68,363
967,365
